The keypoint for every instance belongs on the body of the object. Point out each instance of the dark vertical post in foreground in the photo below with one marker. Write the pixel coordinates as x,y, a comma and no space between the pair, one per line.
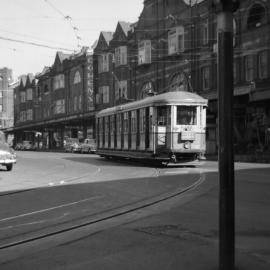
224,11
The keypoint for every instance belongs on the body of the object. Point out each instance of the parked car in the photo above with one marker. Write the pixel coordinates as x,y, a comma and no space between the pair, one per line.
72,145
28,145
7,156
18,146
88,146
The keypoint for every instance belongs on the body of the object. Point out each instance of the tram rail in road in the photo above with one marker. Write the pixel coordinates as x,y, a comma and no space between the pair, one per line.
85,225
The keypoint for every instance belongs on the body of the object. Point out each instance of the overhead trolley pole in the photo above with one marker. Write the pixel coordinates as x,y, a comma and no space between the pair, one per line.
224,10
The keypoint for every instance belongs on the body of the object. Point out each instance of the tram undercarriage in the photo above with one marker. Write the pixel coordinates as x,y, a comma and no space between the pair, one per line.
164,157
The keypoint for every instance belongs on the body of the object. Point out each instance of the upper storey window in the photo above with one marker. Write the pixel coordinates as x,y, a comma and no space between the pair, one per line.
121,56
176,40
22,97
29,94
77,77
256,16
58,81
144,52
103,63
205,33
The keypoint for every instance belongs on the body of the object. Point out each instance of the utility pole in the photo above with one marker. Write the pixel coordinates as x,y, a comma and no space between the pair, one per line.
224,10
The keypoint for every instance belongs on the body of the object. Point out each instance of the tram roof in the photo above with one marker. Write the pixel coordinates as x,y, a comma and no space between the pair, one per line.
169,98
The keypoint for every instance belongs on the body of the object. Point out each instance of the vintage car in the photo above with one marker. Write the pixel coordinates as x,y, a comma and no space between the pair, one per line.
18,146
72,145
7,156
88,146
28,145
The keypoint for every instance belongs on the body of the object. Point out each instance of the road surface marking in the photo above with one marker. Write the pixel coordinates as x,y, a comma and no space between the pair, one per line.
49,209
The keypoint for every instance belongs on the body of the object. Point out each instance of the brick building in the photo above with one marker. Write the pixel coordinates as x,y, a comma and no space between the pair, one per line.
6,98
172,47
251,24
56,103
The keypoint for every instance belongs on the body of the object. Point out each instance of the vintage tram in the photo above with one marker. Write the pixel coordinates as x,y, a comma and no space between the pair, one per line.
168,127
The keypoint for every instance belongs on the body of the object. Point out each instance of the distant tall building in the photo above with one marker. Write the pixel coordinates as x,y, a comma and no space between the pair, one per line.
6,98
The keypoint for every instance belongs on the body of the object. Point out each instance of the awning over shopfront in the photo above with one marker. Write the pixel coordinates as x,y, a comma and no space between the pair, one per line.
260,94
238,91
51,121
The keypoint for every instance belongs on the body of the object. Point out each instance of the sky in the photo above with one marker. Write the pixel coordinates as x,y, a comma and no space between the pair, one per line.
32,31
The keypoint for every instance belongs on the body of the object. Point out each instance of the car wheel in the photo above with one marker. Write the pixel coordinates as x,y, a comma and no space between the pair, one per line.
9,167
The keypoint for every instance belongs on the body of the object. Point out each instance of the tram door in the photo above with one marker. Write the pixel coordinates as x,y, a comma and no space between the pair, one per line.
163,126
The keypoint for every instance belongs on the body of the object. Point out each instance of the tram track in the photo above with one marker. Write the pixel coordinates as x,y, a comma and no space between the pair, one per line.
106,216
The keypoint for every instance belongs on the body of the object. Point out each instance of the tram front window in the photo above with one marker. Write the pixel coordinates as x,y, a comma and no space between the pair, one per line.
163,116
186,115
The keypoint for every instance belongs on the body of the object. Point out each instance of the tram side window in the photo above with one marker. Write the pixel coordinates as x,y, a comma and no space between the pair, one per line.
101,125
126,122
162,116
142,120
133,121
186,115
106,124
112,124
118,123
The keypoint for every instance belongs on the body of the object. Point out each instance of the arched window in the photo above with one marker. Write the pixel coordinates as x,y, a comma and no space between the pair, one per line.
256,16
77,77
147,89
178,83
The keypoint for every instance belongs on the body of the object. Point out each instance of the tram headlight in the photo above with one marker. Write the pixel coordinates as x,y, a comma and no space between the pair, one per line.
187,145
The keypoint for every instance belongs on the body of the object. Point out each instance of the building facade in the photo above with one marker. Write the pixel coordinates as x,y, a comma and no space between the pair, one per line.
6,98
172,47
57,103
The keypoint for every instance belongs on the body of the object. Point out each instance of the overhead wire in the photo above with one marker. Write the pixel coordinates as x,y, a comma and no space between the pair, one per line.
30,36
68,18
35,44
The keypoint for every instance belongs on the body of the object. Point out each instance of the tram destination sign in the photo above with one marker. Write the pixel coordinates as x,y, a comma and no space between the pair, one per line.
187,136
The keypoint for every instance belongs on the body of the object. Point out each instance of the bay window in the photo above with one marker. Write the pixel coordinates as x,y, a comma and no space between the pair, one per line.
121,56
176,40
58,81
144,52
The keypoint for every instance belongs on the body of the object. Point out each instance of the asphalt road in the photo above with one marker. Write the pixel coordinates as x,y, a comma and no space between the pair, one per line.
128,215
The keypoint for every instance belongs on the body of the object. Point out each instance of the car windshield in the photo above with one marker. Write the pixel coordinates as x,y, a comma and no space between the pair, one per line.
89,141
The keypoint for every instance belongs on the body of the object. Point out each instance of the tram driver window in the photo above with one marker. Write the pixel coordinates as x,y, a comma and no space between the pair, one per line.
186,115
162,116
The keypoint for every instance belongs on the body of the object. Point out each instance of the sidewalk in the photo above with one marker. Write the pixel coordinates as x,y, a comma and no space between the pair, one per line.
257,157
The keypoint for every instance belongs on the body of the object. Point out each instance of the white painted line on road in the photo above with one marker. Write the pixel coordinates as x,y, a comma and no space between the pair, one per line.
49,209
177,172
33,223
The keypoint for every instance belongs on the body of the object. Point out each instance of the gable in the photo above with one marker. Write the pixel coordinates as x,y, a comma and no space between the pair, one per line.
102,43
119,34
57,66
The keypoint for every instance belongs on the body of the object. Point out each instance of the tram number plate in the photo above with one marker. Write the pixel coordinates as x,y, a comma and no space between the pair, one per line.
187,136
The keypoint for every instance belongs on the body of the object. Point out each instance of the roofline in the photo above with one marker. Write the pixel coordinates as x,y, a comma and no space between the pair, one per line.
158,100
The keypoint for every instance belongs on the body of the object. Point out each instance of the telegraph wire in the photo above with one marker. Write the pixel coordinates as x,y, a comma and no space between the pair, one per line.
30,36
35,44
68,18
